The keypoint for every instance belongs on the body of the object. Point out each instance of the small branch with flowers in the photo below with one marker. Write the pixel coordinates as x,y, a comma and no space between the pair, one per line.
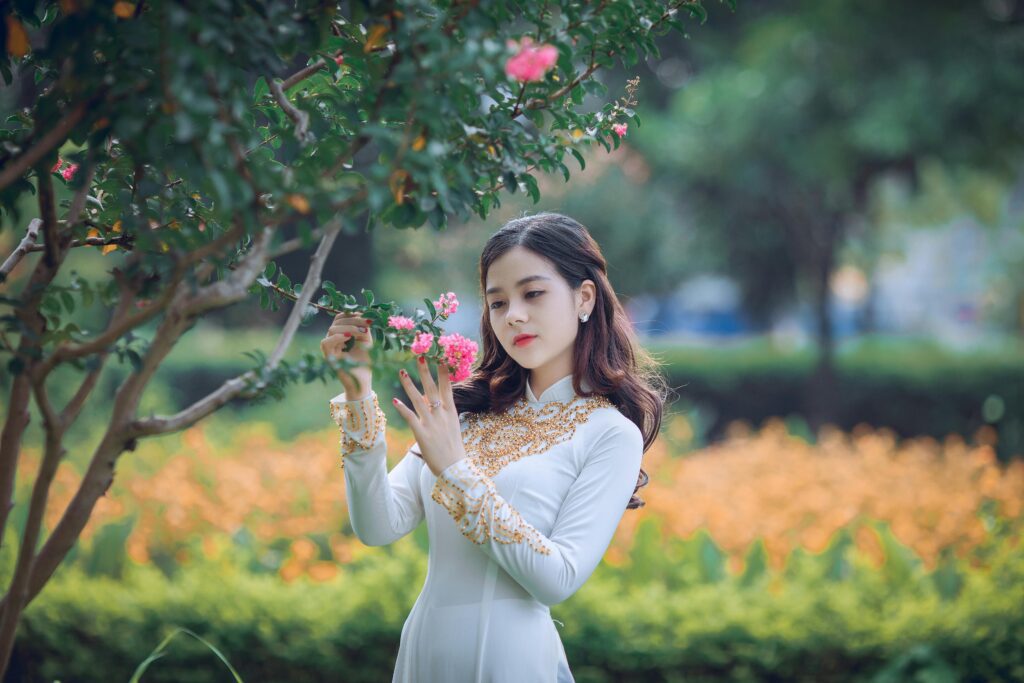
419,333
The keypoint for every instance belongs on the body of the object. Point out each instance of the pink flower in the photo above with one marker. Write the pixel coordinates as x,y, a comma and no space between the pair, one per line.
446,305
57,165
459,354
339,59
422,343
531,62
620,129
400,322
69,172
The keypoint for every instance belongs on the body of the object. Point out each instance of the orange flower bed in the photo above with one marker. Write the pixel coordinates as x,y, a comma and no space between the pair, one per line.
756,484
768,484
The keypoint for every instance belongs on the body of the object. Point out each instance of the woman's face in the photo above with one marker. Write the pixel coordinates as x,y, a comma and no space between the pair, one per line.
524,294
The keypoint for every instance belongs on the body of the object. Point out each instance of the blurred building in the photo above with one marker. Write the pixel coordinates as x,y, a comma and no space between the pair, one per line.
950,284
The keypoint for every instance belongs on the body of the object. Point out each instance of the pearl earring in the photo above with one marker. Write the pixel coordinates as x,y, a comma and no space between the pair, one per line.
583,317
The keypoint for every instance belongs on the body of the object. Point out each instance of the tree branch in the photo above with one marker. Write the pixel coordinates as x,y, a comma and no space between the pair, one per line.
74,406
543,102
46,270
294,244
236,385
126,242
27,244
302,74
298,117
15,599
233,288
28,347
121,436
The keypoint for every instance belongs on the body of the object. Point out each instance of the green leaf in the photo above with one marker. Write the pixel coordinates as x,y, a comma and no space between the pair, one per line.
579,158
135,359
510,182
697,10
260,89
283,282
531,187
51,305
160,650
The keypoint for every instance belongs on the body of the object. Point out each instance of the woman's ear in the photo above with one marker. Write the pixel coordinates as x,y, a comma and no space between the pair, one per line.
587,296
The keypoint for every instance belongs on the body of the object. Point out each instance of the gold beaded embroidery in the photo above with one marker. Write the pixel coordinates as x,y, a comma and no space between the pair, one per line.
352,422
492,441
479,512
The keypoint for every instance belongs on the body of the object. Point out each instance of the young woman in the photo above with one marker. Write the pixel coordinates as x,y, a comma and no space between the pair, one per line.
522,471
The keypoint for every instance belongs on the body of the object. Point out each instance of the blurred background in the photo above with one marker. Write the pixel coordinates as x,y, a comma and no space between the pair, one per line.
818,230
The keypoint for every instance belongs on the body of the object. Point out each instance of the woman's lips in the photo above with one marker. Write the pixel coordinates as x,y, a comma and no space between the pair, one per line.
526,340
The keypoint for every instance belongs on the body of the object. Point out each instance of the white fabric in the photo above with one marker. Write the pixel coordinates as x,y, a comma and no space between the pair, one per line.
484,614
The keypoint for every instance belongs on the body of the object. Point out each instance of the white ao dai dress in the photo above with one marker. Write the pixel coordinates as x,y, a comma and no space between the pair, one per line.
515,527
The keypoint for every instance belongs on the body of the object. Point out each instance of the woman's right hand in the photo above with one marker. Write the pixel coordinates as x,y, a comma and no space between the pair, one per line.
345,327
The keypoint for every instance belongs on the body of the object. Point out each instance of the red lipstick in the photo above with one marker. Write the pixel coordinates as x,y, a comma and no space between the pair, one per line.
523,339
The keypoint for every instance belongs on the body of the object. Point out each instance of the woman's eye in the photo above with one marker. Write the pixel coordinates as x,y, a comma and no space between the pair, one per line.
538,292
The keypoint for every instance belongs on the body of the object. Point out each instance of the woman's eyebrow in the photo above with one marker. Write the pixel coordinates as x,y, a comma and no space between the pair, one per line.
528,278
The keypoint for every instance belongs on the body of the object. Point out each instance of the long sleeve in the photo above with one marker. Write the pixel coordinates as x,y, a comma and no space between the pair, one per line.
383,507
550,568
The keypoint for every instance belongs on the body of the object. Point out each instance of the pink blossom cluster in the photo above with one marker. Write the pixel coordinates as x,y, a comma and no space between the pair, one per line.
422,342
620,129
446,305
531,61
400,322
68,173
459,354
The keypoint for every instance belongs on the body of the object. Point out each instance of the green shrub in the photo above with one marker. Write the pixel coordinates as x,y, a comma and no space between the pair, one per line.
671,613
926,390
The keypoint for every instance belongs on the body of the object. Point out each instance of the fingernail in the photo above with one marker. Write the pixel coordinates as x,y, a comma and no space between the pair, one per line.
422,360
403,372
348,334
395,401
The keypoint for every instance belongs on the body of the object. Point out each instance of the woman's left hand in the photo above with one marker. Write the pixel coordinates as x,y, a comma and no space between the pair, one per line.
437,430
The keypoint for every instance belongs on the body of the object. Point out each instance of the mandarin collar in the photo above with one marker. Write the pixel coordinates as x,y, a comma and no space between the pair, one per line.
560,390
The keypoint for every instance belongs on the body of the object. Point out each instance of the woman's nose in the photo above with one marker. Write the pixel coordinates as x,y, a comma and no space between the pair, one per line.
515,315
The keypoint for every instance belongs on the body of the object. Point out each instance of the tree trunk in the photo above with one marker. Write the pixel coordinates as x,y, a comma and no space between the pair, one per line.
820,404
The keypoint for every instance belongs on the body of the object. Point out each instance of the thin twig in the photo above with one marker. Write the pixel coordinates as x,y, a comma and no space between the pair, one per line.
298,117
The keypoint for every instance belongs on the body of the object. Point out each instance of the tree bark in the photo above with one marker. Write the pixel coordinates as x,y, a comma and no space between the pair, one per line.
820,403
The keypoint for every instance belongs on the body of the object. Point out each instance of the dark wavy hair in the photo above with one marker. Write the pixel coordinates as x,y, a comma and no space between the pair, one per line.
607,353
